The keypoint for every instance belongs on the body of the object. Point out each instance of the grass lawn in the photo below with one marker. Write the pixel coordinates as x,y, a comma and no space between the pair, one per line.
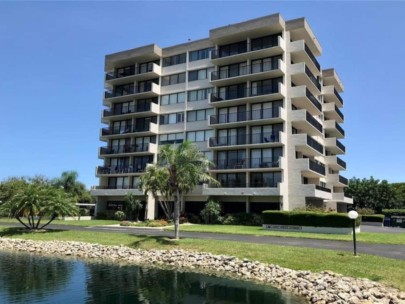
366,237
85,223
384,270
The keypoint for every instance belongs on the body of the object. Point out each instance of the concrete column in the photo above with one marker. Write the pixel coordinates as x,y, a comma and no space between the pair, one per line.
247,204
151,214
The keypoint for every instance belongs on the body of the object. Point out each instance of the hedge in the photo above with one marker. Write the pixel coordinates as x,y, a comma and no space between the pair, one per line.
308,218
390,212
375,218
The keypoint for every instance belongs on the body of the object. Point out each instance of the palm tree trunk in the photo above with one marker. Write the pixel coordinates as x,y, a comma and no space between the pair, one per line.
18,219
52,218
39,221
177,214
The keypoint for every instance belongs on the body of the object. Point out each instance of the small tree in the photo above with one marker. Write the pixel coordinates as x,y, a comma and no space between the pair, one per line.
211,212
133,207
36,201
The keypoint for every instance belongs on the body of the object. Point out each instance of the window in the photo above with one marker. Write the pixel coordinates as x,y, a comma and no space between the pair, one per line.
199,136
233,70
124,89
199,54
199,94
124,108
232,114
265,64
172,138
172,118
173,79
140,163
265,42
266,134
233,49
235,159
265,158
199,74
232,180
267,179
173,60
233,91
122,127
146,66
172,98
266,110
267,86
125,71
199,115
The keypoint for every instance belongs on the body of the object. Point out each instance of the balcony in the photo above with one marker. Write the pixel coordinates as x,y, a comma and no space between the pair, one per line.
303,120
333,129
335,163
342,198
245,139
302,98
241,118
246,163
260,188
120,170
307,145
331,95
311,168
300,52
251,95
118,190
334,146
132,111
333,112
145,91
337,180
301,75
138,149
315,191
248,72
242,54
136,74
148,129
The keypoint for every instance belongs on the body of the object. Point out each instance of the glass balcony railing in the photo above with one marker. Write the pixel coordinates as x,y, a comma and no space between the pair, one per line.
315,144
314,100
338,95
246,163
124,149
313,78
128,91
340,129
340,146
245,116
340,162
245,70
323,189
343,180
121,169
130,71
245,139
313,58
245,92
339,113
317,167
314,122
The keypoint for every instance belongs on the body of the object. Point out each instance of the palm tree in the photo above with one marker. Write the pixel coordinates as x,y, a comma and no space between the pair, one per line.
178,170
36,201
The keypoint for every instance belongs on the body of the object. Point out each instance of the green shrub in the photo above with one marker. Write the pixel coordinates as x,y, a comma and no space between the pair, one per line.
244,219
365,211
211,212
307,218
120,215
375,218
390,212
125,223
84,212
229,219
194,218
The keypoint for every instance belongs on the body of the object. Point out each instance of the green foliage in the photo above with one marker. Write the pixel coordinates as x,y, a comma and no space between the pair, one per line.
375,218
147,223
119,215
194,218
365,211
84,212
132,207
69,183
399,194
390,212
211,212
308,218
243,219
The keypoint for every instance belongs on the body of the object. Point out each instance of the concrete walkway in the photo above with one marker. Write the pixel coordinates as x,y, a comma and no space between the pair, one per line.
388,251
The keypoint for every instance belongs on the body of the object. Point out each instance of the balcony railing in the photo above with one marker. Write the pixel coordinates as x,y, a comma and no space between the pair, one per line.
245,116
131,109
311,55
128,91
348,195
242,184
130,72
313,78
246,92
314,100
340,129
124,149
314,144
340,162
314,122
246,163
343,180
338,95
121,169
115,187
317,167
244,139
322,188
115,131
245,70
244,49
339,112
340,146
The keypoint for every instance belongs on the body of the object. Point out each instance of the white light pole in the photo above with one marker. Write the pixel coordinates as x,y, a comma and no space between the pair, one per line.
353,215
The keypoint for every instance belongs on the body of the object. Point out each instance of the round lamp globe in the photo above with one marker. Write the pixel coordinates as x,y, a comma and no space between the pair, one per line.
353,214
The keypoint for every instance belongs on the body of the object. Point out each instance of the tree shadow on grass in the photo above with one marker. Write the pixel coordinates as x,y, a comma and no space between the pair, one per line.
144,240
18,231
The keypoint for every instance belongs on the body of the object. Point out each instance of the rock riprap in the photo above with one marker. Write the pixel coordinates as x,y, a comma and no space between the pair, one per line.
324,287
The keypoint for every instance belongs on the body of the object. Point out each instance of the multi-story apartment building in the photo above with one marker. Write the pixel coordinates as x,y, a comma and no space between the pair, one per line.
252,97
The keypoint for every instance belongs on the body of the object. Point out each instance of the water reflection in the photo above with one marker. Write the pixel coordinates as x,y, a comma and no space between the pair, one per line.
26,278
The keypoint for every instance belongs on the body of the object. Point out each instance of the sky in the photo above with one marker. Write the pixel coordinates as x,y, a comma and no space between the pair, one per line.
52,60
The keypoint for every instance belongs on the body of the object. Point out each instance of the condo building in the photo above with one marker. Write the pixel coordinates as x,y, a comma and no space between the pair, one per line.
253,98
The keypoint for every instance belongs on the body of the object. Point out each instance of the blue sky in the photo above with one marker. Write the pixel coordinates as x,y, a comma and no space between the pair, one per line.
52,59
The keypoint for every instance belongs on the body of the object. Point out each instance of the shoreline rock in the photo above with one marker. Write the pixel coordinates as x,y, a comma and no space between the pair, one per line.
324,287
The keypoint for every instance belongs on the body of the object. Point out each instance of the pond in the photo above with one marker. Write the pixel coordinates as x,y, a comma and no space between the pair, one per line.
29,278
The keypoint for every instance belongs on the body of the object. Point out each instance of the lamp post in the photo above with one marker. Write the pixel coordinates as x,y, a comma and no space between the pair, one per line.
353,215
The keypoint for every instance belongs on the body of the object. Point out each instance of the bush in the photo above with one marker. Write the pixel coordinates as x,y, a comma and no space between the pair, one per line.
365,211
376,218
194,218
84,212
390,212
229,219
211,212
244,219
125,223
120,215
306,218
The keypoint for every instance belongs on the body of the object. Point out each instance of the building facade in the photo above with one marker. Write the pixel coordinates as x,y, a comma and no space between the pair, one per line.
252,96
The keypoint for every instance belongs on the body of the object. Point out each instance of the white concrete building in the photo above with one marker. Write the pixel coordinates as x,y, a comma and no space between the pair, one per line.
252,96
